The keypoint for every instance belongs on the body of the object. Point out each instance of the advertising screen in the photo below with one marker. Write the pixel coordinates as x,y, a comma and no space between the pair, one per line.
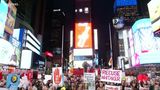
146,46
9,54
11,16
18,35
3,16
83,35
79,64
120,3
154,12
26,59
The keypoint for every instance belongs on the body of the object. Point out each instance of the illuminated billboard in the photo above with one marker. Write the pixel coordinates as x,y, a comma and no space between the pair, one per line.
146,46
95,39
3,16
11,16
83,35
119,3
9,54
154,12
79,64
32,42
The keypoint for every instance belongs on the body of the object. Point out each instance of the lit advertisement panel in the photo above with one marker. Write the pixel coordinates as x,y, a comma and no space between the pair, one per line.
83,52
71,39
11,16
95,39
120,3
3,16
131,46
26,59
32,42
146,45
29,33
29,46
154,12
83,35
9,54
18,35
79,64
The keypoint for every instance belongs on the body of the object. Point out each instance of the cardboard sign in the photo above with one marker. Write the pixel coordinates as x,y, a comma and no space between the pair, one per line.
13,81
89,77
57,76
109,75
108,87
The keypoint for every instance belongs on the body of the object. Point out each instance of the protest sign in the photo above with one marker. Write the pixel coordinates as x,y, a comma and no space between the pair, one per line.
109,75
109,87
13,81
89,78
57,76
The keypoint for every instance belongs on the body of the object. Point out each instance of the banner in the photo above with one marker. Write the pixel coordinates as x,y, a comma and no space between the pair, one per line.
89,78
108,87
57,76
13,81
109,75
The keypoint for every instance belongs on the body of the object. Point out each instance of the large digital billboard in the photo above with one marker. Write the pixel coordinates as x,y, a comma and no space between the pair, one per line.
120,3
83,35
3,16
9,54
146,46
154,12
11,16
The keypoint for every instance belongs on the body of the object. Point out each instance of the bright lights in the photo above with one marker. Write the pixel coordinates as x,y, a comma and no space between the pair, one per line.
80,10
83,35
47,53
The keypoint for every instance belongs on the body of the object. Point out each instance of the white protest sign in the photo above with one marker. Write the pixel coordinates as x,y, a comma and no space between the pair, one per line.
109,87
57,76
108,75
90,79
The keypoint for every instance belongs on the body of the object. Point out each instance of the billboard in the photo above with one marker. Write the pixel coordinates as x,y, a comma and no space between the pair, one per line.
83,35
146,46
119,3
9,54
95,39
18,35
11,16
32,42
79,63
154,13
3,16
26,59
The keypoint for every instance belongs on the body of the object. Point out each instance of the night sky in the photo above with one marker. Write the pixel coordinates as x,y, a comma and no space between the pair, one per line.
102,13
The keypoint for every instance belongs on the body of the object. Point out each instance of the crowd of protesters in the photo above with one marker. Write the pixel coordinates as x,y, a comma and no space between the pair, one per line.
76,82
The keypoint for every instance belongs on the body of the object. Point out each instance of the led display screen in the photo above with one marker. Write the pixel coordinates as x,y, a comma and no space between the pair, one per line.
11,16
146,46
119,3
26,59
9,54
83,35
79,64
154,13
3,16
